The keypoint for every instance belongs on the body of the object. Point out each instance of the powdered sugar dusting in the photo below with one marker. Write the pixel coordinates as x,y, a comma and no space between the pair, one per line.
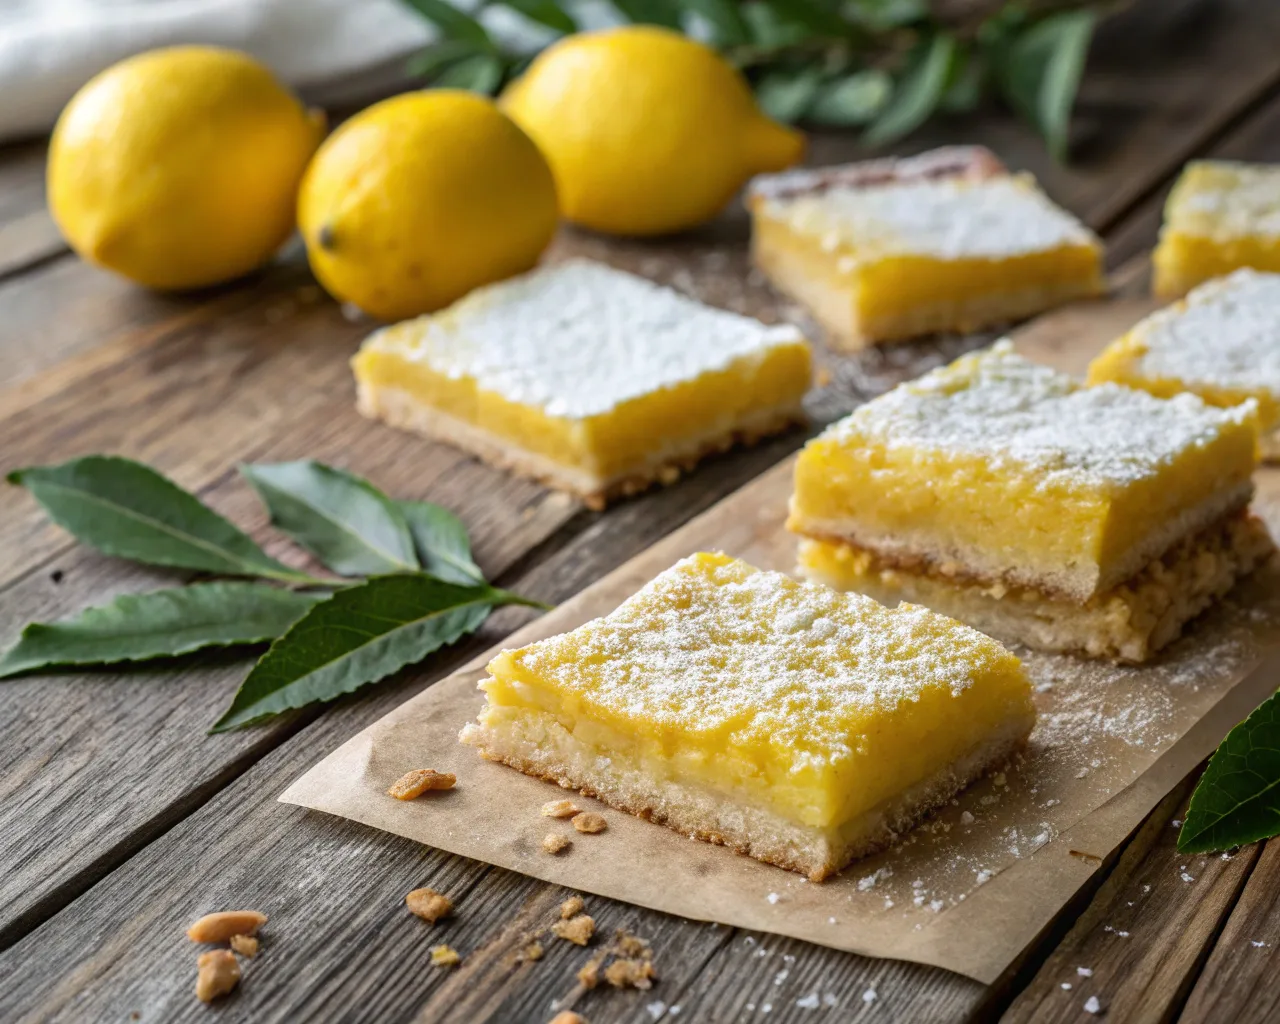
1229,200
1226,334
714,645
999,406
579,338
949,218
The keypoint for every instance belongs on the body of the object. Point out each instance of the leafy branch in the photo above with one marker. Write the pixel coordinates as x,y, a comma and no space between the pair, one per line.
886,66
407,583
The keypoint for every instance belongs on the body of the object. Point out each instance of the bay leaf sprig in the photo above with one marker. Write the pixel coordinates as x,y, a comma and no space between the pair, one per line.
406,582
885,66
1237,799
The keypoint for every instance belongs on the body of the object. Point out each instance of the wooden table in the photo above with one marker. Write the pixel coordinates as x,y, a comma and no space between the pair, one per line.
120,820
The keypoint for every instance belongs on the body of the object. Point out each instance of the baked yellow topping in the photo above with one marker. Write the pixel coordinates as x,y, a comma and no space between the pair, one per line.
997,468
817,705
1221,215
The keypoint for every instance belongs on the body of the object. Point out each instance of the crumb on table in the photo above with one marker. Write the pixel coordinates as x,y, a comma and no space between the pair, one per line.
429,904
413,784
589,822
554,843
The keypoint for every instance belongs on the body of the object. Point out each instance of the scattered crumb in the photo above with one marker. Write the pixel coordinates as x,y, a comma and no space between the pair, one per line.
571,907
429,904
245,945
445,956
809,1002
1146,888
966,818
1091,1005
1085,972
773,897
1186,877
220,926
413,784
831,920
1176,823
656,1009
559,809
781,976
630,974
1066,986
1123,935
577,930
568,1017
589,973
869,996
589,822
533,951
632,945
219,973
983,877
555,843
999,779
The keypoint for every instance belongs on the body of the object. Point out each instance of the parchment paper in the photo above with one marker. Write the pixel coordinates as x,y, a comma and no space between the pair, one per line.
967,891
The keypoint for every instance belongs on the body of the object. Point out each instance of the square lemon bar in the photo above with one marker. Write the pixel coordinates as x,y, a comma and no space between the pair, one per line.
1221,215
1222,342
1097,520
947,240
792,723
587,378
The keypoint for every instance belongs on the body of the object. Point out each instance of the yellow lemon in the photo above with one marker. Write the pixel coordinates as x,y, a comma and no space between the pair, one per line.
422,197
647,131
179,168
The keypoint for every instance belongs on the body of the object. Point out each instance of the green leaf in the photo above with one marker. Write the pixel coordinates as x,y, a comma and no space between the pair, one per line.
918,92
436,57
725,17
1237,800
883,15
128,510
358,636
1040,73
441,541
346,522
481,73
452,23
786,95
161,624
545,12
966,84
812,14
852,100
651,12
770,29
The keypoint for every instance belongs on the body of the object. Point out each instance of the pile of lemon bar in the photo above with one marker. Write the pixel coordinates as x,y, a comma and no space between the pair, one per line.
807,722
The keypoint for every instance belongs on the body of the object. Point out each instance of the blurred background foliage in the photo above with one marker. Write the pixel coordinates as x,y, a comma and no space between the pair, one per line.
884,67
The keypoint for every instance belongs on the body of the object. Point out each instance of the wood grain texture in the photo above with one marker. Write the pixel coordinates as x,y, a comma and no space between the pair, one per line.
1145,934
1238,982
27,232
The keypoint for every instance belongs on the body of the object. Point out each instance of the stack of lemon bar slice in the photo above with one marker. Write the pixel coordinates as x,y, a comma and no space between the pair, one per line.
947,240
1095,520
792,723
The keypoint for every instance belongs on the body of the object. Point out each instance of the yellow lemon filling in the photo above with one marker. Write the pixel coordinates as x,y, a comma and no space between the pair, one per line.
996,468
1220,216
1222,343
591,373
900,258
775,693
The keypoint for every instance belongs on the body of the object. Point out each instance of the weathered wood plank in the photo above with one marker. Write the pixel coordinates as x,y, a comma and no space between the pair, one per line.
1238,982
1145,934
27,232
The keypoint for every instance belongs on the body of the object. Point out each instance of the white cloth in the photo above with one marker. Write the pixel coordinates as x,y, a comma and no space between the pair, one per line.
328,49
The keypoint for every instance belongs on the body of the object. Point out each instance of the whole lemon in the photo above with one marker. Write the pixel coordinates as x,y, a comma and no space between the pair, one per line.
179,168
422,197
647,131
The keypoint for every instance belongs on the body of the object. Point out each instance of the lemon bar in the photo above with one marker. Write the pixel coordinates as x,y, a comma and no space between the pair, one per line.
1222,342
1128,623
792,723
587,378
1220,216
891,249
1004,471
